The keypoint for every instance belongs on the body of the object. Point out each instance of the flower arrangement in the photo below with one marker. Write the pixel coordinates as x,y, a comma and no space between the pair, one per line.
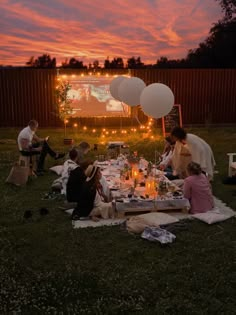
133,159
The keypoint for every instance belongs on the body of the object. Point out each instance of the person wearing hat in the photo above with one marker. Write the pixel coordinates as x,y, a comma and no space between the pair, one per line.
92,199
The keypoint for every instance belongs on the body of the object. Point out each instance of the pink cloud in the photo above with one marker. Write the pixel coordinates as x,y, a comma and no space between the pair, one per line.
91,30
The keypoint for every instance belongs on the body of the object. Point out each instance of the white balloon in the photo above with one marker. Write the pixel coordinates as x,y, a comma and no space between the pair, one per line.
115,83
130,90
157,100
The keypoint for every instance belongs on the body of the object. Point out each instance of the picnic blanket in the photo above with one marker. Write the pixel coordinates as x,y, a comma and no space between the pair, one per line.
221,206
89,223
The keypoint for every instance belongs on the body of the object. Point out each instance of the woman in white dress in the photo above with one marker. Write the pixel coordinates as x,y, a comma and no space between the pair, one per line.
195,148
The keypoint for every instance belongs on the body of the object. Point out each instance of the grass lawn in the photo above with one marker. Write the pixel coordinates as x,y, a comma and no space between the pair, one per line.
46,267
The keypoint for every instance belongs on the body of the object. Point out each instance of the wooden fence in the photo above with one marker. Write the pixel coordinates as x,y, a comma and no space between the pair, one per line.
207,96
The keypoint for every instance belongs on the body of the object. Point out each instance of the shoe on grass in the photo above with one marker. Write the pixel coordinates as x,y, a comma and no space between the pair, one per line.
49,196
39,173
43,211
59,156
28,214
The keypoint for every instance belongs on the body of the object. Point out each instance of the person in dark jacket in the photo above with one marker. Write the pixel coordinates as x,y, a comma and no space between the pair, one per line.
76,180
91,198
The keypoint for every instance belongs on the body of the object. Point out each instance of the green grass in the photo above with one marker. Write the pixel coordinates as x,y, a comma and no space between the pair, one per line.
49,268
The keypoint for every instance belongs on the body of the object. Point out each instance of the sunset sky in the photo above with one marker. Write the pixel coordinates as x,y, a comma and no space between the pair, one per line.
95,29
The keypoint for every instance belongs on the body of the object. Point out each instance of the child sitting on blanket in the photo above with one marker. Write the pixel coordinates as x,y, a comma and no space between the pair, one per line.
92,202
197,189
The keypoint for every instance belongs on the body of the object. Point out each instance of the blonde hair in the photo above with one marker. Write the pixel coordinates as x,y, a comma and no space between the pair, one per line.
194,168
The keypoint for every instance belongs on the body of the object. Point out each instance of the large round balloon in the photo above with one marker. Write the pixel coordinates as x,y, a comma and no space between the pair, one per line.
115,83
157,100
130,90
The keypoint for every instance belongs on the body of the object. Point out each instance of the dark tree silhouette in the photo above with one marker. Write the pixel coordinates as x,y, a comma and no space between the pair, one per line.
116,63
96,65
31,61
228,7
219,49
73,63
43,61
133,63
164,63
107,64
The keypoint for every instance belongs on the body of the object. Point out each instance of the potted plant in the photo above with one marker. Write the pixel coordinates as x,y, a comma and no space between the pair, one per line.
64,105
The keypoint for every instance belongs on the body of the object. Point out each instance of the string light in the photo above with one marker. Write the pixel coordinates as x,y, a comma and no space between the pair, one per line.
85,128
75,125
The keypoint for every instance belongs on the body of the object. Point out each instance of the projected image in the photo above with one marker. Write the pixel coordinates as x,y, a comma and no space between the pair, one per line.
91,97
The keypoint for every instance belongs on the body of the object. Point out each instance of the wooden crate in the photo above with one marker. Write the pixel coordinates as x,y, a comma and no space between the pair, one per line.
123,210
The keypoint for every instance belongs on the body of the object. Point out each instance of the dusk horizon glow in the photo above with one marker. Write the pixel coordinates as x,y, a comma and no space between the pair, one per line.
96,30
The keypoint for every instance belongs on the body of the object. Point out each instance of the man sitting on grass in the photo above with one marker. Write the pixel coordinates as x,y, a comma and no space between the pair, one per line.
30,144
83,148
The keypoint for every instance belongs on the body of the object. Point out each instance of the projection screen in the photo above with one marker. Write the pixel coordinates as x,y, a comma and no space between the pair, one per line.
91,97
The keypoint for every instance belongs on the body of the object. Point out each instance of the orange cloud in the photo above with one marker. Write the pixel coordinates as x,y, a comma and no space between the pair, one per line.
90,30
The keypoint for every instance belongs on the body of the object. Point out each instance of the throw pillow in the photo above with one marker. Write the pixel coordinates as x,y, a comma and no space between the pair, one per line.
57,169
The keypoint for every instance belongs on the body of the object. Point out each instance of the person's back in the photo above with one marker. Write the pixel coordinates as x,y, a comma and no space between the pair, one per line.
86,200
201,153
27,135
197,189
74,184
82,150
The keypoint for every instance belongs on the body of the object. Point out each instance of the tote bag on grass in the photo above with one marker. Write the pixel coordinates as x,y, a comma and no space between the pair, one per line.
18,175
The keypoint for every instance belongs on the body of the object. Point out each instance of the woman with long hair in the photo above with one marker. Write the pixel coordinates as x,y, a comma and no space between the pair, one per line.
193,147
92,200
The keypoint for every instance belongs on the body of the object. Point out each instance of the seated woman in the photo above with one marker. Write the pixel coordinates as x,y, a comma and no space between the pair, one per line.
197,189
166,159
167,152
92,202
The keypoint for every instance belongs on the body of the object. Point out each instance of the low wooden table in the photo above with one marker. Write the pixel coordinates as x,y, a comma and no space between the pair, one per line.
125,209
